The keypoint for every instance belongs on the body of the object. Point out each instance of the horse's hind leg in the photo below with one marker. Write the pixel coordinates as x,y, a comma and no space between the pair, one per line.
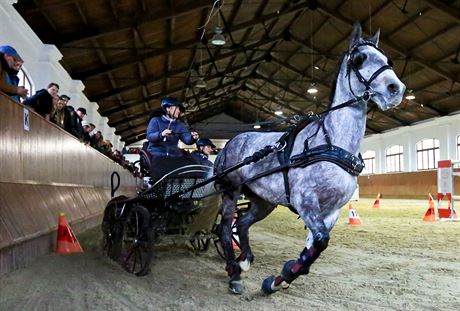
317,242
259,210
229,199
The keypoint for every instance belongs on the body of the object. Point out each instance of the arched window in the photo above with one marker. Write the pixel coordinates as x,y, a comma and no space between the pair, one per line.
369,161
394,157
427,154
26,81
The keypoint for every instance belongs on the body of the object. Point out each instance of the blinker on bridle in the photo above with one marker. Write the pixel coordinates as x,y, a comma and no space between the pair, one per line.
369,92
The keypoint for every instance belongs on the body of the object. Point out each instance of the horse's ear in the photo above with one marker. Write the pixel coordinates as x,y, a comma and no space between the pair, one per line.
375,38
355,34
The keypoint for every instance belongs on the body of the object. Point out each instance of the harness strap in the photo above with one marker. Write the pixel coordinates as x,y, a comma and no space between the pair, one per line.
330,153
287,140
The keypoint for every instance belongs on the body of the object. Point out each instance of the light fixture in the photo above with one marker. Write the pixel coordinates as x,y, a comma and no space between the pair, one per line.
218,39
200,83
316,67
410,95
278,112
257,126
312,89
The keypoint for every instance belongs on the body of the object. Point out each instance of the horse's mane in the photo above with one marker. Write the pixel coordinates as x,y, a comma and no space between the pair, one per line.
334,82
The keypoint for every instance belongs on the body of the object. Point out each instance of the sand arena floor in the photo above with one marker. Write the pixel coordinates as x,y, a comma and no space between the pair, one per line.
393,261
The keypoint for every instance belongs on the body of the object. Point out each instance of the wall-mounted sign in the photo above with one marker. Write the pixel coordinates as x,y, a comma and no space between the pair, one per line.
26,120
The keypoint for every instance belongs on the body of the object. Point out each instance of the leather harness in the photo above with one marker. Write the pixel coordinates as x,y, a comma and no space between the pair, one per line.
326,152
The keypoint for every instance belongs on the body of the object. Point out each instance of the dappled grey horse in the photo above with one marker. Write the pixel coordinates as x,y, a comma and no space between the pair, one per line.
329,148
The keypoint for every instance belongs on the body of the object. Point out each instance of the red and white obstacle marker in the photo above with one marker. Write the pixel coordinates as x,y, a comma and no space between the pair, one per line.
446,176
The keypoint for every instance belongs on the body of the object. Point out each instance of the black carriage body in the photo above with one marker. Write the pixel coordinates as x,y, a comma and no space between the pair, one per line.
172,206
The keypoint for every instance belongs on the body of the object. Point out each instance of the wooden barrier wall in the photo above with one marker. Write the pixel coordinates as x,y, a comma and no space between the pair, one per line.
45,171
411,185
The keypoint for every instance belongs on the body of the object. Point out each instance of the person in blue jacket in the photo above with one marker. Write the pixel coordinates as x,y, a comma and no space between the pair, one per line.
205,148
165,130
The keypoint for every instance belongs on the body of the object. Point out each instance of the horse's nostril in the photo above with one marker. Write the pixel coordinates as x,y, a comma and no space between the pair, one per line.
393,88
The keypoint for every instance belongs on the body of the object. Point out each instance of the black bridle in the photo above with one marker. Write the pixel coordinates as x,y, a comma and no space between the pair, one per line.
369,92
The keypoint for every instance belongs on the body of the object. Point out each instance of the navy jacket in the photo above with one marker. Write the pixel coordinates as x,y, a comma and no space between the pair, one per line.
42,102
202,158
168,147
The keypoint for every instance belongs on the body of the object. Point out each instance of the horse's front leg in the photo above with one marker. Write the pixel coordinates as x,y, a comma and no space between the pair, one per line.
316,242
259,210
229,199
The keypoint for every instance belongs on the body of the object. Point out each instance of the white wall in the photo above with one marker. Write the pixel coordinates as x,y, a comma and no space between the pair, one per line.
41,62
445,129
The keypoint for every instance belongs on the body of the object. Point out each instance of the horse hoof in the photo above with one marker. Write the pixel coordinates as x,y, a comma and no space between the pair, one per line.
245,265
285,285
268,285
235,287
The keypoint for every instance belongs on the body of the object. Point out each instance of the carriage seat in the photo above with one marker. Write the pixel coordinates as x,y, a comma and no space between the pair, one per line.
146,161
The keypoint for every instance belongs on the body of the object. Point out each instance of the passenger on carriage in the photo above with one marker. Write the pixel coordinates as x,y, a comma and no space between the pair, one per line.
205,148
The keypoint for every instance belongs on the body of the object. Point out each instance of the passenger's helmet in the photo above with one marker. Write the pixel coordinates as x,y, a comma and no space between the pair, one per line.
204,142
172,101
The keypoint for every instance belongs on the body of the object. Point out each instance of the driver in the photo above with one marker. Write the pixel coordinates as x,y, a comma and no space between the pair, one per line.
205,148
165,130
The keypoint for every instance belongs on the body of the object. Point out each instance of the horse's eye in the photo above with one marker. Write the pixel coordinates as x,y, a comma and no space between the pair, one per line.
390,63
358,60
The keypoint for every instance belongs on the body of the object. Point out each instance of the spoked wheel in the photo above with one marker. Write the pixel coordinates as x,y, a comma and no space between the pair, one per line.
200,242
112,231
137,242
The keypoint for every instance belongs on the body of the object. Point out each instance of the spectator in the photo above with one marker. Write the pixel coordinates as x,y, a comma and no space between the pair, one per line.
76,119
42,101
86,131
93,127
10,64
97,140
60,114
205,148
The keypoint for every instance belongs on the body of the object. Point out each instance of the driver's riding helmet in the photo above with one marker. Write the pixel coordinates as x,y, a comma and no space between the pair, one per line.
172,101
205,142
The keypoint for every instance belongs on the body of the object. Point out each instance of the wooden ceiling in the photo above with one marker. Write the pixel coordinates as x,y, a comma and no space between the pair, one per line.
131,53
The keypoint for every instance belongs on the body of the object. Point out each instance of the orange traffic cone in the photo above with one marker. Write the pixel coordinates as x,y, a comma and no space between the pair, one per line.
429,215
377,201
66,241
353,217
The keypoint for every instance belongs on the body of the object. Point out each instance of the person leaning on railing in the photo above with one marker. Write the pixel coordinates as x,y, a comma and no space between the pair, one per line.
10,64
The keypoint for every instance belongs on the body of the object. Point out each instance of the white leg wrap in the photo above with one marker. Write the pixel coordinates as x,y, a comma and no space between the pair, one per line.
245,265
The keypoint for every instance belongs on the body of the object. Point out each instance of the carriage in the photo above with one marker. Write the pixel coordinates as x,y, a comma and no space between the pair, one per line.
312,169
182,204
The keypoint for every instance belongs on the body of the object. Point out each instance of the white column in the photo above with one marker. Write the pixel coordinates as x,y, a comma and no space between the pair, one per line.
48,69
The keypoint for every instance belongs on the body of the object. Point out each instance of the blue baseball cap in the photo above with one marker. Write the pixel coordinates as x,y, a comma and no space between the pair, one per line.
11,51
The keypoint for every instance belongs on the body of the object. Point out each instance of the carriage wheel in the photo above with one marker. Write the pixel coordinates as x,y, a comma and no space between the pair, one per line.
137,242
199,243
112,231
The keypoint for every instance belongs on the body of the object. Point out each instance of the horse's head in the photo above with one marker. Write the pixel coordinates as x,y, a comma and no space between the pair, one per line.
369,70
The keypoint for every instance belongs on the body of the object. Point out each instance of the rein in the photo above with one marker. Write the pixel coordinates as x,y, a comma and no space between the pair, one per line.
328,152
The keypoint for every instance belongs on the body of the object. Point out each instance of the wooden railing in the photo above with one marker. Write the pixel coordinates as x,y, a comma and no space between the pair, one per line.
44,171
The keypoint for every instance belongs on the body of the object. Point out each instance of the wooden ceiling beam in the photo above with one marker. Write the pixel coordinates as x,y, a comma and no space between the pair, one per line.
146,114
125,23
424,63
150,79
158,95
450,11
189,43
